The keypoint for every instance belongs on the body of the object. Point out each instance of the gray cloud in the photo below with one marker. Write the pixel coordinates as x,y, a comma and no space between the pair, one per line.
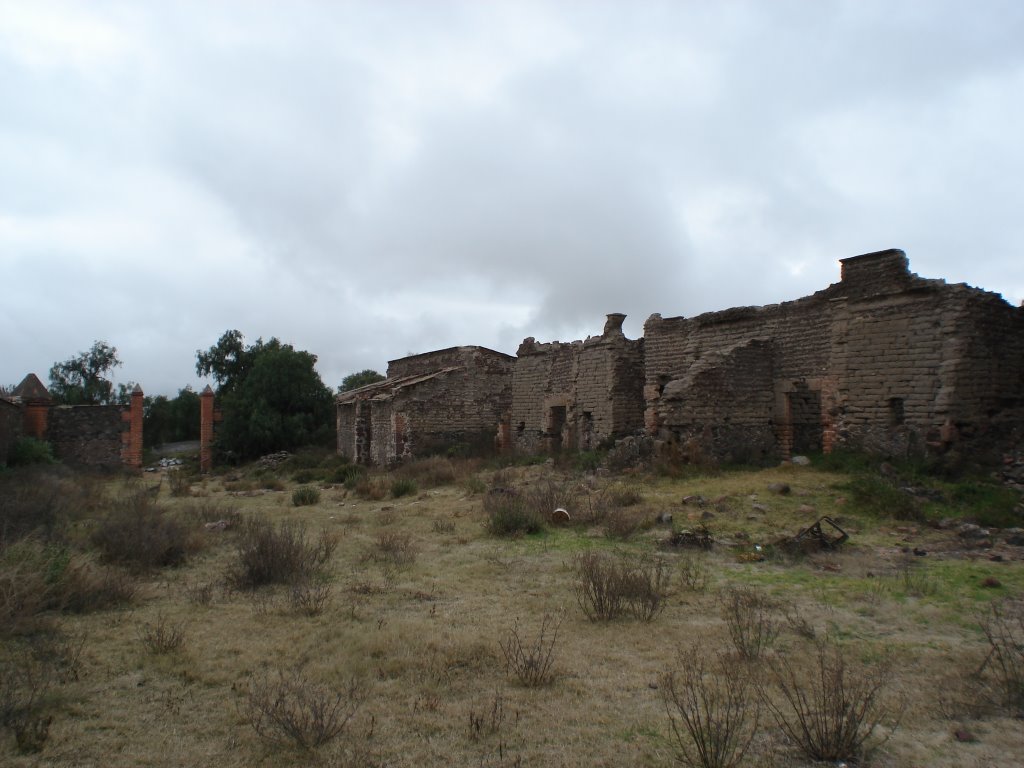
367,179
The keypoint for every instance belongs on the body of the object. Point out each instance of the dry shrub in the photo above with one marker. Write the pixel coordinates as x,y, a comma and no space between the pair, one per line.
43,499
532,660
622,523
36,577
712,709
511,514
443,526
827,705
310,597
162,636
1003,627
608,586
180,483
371,488
396,548
693,573
278,555
200,594
207,511
139,534
289,708
431,472
750,617
306,496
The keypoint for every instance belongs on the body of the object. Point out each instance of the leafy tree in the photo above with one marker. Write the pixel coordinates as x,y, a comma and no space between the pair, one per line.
229,360
82,380
361,379
270,393
171,420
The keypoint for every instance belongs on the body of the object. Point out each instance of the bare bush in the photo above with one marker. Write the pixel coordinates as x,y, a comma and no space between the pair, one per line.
290,708
443,526
162,636
830,708
511,514
693,573
396,548
608,586
283,554
532,660
200,594
750,617
180,483
645,584
310,597
712,708
1003,626
139,534
598,586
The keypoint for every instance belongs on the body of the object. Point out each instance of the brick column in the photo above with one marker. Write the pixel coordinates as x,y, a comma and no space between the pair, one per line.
132,453
206,430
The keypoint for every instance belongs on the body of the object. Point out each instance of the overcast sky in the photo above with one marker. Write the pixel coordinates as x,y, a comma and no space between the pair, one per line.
370,179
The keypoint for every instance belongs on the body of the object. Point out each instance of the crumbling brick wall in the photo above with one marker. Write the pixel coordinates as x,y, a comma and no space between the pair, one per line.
889,362
449,400
577,395
11,418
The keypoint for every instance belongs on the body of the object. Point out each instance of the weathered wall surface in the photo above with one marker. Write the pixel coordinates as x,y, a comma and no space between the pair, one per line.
11,418
452,399
883,360
577,395
87,434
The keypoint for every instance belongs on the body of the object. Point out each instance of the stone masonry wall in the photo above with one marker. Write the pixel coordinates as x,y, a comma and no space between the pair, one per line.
577,395
87,434
11,418
891,363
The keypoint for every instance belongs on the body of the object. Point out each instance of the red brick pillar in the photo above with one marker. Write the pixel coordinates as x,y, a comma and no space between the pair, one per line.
206,430
132,455
35,419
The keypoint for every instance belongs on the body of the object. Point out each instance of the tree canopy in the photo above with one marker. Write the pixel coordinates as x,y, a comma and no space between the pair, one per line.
361,379
82,380
270,393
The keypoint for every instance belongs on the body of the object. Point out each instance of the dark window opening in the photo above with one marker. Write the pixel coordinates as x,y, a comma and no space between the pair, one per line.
896,416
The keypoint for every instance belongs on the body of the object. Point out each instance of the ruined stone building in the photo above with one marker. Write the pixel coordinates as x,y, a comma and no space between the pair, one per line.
883,361
96,435
576,395
451,399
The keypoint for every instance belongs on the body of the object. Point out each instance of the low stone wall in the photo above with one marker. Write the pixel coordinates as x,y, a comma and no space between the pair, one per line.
88,434
11,418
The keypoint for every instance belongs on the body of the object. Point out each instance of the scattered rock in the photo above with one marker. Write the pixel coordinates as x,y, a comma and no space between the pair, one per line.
780,488
1015,537
971,531
698,500
806,509
274,459
996,558
801,461
219,525
920,552
962,734
991,582
762,508
665,518
707,516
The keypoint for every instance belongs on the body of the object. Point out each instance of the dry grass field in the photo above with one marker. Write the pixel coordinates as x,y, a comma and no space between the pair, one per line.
410,631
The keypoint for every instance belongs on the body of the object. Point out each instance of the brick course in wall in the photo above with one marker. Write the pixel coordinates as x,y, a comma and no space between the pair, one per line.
883,360
452,399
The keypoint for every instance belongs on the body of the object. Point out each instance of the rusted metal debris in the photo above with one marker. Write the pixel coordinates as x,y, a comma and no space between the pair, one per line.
824,534
699,538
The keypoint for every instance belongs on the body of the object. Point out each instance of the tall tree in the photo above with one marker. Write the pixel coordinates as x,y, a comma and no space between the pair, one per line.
82,380
361,379
270,393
